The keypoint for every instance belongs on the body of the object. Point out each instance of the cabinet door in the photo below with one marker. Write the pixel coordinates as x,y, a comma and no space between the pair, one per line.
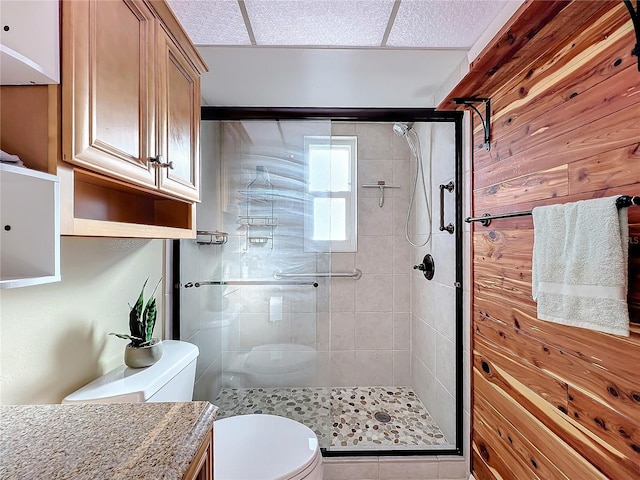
179,122
108,88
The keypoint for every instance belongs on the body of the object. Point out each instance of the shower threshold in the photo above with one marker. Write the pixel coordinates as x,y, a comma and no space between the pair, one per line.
344,418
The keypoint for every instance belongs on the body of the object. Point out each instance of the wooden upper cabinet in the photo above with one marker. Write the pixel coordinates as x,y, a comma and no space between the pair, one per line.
178,121
109,88
131,95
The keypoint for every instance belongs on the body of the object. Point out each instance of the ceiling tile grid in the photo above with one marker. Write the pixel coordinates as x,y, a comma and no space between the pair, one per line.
212,22
337,23
442,24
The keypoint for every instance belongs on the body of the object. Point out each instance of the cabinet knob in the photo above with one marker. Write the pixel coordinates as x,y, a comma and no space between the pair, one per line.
159,163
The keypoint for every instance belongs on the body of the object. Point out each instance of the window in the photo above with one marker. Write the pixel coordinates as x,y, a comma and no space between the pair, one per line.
331,212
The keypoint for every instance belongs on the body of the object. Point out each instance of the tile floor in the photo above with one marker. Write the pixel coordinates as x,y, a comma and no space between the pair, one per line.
344,418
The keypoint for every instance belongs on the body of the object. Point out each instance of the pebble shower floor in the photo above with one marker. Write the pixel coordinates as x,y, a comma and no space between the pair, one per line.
344,417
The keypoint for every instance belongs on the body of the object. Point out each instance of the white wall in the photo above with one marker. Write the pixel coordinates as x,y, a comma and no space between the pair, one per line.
55,336
317,77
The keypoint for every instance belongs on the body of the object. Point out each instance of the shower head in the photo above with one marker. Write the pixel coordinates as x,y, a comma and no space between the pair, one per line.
401,129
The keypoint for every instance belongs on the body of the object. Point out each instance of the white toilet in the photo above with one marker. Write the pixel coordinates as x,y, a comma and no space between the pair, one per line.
272,365
260,447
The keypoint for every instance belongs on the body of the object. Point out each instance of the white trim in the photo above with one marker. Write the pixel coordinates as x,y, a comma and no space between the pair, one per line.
350,196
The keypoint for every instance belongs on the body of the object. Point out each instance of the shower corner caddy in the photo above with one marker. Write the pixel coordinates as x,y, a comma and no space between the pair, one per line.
259,220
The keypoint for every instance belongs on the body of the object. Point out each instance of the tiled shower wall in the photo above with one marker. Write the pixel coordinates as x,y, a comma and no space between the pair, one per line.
433,302
368,331
363,330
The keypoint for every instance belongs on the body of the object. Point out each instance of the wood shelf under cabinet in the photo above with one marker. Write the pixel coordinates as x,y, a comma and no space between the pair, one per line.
96,206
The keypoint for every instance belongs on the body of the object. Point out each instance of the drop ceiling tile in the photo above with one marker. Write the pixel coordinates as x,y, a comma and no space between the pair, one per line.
345,23
212,22
442,23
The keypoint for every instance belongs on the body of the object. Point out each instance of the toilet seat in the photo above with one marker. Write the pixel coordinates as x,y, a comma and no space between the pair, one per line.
265,447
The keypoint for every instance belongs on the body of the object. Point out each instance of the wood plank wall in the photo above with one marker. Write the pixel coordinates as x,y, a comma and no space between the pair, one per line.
551,401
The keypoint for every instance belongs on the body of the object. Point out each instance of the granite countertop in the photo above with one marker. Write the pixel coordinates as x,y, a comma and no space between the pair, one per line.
102,441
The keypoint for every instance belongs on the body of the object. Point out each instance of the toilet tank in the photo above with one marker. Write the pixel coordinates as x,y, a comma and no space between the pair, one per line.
170,379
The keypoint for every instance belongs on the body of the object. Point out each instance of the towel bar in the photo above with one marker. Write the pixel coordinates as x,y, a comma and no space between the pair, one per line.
485,219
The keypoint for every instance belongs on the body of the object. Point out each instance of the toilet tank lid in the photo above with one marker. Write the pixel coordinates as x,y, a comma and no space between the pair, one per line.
141,383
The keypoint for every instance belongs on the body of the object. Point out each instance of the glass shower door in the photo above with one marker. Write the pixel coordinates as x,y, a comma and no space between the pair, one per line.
273,357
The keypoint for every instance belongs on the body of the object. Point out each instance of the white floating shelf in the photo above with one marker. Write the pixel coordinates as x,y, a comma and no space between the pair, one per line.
29,227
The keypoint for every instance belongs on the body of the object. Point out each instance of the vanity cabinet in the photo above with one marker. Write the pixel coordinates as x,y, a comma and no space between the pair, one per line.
201,467
130,120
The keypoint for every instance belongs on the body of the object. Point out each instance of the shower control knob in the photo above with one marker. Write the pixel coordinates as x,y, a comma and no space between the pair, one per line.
427,267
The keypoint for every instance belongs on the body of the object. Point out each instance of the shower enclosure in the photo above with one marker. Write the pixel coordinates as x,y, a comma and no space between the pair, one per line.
300,289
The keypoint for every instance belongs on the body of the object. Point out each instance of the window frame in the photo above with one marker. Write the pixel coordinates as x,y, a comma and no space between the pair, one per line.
350,244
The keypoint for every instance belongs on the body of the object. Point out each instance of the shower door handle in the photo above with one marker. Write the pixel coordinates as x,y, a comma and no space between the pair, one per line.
449,187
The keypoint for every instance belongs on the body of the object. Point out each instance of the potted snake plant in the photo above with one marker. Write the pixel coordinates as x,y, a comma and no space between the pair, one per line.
143,349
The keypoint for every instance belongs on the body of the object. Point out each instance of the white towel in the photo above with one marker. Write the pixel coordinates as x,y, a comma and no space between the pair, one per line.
580,254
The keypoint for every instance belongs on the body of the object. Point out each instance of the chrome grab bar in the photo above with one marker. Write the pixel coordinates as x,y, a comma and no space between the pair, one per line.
355,274
448,187
246,282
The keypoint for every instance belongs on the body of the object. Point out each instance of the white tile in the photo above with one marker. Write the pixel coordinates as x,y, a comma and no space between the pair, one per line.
342,294
395,468
375,254
301,299
401,293
401,255
424,343
343,262
453,469
373,220
342,331
343,128
403,175
401,367
370,173
444,254
342,369
373,293
444,310
422,294
350,469
303,329
443,148
373,331
402,331
375,141
323,329
443,411
400,207
374,367
446,363
423,382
